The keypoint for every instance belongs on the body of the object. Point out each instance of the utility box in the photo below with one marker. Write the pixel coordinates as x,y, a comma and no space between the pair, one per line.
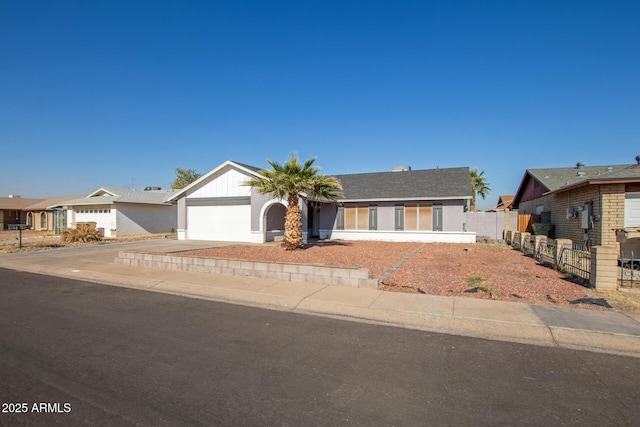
542,229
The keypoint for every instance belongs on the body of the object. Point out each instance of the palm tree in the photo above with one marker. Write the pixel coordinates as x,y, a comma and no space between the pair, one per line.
293,181
480,186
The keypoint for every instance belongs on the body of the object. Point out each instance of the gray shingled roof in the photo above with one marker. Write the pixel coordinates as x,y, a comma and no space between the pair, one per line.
253,168
415,184
155,197
556,178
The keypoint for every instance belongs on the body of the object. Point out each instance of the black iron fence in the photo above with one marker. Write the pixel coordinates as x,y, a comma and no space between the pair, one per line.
576,262
546,251
629,270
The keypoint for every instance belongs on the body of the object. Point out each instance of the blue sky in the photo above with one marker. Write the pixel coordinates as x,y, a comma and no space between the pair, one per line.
120,93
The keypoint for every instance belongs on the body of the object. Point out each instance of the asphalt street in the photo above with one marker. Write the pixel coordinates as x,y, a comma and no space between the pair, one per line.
103,355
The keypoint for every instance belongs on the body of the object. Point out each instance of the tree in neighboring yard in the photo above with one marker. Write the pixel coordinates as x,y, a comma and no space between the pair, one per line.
291,181
184,177
480,186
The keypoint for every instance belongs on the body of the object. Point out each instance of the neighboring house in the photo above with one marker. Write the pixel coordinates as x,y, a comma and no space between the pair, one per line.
421,205
122,212
40,215
584,203
505,203
12,210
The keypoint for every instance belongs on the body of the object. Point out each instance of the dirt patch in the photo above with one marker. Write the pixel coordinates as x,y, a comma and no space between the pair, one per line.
46,240
488,271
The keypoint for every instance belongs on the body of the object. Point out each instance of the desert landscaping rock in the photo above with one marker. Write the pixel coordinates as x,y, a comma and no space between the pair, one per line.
488,271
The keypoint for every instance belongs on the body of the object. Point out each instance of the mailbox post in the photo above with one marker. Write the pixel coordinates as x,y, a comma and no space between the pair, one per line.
19,227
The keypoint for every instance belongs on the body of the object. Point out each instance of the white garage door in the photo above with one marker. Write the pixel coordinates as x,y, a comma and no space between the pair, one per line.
632,210
226,223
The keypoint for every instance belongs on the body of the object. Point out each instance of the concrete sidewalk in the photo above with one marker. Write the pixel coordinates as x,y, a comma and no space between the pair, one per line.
600,331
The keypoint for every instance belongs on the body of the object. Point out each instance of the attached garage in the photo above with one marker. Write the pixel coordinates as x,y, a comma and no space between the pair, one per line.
230,223
219,206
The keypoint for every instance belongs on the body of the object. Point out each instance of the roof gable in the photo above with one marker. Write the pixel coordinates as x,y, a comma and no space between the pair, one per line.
213,174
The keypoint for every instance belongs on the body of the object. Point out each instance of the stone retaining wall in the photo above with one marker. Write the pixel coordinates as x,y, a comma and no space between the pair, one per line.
327,275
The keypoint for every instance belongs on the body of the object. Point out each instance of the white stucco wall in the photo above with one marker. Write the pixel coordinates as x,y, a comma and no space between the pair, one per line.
144,219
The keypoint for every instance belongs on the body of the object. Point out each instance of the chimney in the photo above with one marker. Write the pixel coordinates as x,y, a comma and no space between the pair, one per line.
580,166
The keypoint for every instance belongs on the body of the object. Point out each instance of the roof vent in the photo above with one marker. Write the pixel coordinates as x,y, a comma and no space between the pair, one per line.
405,168
609,169
581,173
14,196
580,165
638,160
152,188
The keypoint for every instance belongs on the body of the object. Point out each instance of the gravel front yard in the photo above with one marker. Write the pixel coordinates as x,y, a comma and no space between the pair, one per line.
476,270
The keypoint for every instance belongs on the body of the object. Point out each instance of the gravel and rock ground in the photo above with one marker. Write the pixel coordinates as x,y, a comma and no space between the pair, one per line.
489,271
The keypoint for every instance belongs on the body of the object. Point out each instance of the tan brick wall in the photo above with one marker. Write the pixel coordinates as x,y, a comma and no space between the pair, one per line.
607,207
604,267
613,212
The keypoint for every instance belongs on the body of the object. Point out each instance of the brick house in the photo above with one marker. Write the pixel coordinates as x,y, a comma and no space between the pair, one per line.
585,203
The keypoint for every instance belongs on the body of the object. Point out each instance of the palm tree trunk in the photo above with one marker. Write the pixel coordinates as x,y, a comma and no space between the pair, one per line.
293,224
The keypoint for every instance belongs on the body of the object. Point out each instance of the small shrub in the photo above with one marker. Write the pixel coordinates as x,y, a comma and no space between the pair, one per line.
82,233
475,280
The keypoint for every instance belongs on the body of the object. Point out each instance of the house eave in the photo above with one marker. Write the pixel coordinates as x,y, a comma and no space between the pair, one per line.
593,182
406,199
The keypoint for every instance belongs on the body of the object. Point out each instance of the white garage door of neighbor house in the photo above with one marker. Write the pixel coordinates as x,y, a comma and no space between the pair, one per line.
632,210
226,223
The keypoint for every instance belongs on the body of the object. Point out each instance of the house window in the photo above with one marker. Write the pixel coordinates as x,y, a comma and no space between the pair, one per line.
399,217
425,218
350,218
30,219
363,217
418,217
340,218
411,217
373,217
43,220
360,217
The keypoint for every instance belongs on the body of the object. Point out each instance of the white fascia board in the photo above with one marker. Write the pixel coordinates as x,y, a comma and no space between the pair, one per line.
408,199
102,189
203,178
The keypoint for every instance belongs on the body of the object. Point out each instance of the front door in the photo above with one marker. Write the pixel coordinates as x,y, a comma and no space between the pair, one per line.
313,224
59,220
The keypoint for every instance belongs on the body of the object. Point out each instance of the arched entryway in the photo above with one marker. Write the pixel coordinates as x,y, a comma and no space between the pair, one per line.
274,222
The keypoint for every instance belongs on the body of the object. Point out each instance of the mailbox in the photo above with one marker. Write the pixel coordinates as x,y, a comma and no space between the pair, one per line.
18,227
